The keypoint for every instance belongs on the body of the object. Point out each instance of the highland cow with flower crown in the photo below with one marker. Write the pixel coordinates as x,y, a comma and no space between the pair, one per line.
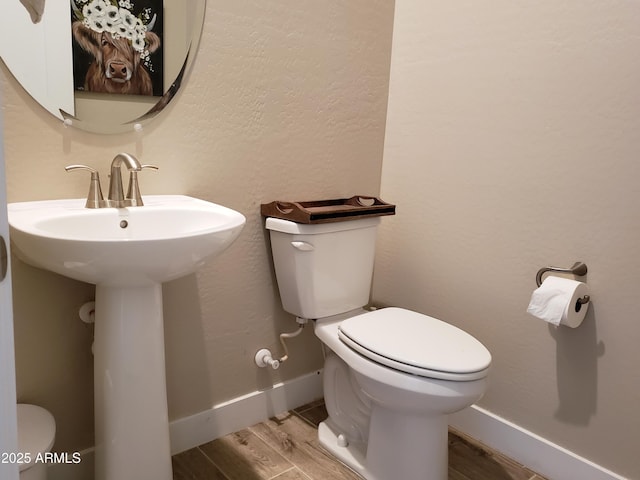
116,45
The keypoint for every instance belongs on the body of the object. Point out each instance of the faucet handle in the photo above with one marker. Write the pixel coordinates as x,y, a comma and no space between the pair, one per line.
69,168
134,198
94,198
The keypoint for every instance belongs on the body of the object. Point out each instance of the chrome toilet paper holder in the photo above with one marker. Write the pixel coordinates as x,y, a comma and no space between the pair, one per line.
578,268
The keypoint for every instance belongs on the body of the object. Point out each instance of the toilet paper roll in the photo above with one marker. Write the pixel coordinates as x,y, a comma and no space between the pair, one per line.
556,301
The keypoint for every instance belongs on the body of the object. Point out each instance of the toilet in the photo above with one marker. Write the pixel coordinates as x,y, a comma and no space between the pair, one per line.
391,376
36,434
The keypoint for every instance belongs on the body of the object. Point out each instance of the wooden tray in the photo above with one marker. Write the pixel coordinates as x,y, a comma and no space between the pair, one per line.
326,211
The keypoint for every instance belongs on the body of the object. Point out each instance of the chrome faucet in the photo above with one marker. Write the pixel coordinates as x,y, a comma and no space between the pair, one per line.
116,197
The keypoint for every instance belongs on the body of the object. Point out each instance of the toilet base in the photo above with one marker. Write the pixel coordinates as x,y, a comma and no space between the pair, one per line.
352,455
417,449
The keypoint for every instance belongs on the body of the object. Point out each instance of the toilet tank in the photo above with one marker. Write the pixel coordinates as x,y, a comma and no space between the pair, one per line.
323,269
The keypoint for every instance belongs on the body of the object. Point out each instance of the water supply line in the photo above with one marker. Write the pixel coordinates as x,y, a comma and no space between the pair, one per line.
264,358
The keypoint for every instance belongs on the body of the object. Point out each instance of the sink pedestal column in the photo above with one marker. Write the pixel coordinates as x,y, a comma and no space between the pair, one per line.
131,420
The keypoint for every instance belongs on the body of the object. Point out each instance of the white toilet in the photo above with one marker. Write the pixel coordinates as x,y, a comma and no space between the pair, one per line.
36,434
391,376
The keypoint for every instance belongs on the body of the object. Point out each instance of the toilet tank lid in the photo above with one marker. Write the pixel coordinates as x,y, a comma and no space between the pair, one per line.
36,431
287,226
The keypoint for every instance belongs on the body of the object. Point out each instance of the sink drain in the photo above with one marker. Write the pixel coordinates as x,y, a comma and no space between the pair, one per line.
124,224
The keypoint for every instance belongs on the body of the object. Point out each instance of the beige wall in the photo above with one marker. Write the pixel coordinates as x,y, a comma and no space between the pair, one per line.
287,101
513,143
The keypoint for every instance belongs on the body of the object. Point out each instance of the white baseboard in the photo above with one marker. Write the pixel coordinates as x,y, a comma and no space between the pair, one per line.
527,448
243,412
221,419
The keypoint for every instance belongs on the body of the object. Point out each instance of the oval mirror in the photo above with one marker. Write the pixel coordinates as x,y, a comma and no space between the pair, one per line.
104,66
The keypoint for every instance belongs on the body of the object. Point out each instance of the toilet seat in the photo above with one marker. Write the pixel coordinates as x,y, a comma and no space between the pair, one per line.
417,344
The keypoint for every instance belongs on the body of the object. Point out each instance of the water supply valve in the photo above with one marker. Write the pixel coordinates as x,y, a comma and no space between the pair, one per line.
264,359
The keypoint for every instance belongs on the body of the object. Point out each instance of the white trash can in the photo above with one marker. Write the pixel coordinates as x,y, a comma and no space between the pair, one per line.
36,434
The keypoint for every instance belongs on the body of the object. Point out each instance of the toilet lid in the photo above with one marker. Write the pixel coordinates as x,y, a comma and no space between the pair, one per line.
416,344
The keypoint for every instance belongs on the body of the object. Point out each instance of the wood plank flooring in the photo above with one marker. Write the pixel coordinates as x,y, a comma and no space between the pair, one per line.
286,447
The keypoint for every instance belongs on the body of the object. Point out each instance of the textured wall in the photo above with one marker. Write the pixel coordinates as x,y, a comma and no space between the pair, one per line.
512,143
287,101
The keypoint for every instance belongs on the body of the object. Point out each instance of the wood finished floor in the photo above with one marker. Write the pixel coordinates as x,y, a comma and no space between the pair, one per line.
286,448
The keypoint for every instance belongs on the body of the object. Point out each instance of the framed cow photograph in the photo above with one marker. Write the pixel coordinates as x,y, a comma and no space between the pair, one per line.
118,46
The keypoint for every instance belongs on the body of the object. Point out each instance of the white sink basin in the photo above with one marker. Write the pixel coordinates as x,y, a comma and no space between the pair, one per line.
169,237
127,253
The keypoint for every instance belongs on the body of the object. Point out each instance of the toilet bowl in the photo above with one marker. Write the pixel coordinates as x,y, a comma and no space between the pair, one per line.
36,434
385,422
391,376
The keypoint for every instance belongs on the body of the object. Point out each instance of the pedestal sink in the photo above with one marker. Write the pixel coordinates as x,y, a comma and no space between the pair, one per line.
128,253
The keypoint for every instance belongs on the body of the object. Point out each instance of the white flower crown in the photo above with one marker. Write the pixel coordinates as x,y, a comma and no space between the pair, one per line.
115,17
